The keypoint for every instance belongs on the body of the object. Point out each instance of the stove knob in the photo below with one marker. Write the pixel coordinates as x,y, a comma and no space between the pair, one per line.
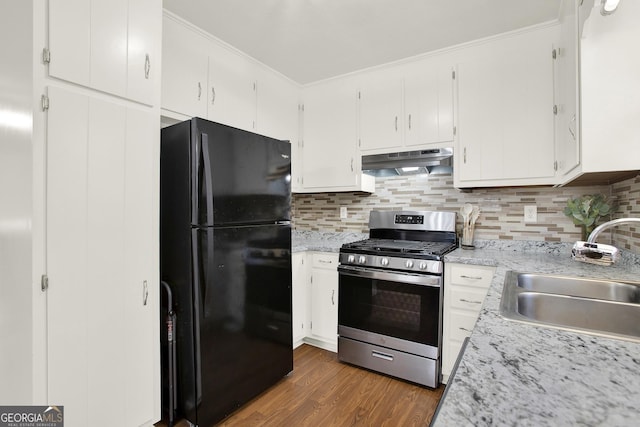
362,259
384,262
408,264
422,266
351,259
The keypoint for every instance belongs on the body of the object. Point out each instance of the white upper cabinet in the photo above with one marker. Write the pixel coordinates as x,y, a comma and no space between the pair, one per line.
232,89
143,53
406,107
609,84
330,158
185,65
429,105
106,45
505,112
381,113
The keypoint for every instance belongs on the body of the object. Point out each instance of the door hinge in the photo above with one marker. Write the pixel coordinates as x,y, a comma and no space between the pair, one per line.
46,55
453,74
44,102
554,54
555,110
44,282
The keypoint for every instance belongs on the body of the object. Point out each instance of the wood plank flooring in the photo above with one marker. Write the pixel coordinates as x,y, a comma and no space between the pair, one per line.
321,391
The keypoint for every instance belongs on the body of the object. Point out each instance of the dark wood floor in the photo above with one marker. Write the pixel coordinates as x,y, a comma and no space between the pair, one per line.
324,392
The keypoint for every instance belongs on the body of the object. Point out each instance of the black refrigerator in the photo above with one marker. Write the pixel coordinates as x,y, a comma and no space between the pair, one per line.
225,243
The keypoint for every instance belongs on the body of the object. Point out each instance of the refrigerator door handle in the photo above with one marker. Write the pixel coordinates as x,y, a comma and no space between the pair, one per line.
208,178
195,244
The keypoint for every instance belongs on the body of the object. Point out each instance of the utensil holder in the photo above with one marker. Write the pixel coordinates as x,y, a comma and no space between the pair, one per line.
466,242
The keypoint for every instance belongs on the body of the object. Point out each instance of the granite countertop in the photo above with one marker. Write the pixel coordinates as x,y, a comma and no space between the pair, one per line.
322,241
519,374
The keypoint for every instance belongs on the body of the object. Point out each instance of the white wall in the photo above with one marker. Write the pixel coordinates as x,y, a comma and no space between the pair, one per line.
15,202
610,79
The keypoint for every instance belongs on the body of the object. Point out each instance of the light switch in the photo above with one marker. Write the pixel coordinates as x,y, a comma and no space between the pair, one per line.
343,212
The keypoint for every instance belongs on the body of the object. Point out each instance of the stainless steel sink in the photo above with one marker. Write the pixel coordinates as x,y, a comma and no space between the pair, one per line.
598,307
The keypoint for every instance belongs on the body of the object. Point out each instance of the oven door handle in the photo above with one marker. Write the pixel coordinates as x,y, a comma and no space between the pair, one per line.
414,279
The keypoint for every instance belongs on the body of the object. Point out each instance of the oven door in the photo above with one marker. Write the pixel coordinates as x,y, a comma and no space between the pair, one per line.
391,309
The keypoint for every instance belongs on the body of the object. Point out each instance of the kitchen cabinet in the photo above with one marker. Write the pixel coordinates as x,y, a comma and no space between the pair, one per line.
300,306
566,90
232,89
465,287
111,46
324,300
406,108
185,70
609,130
331,161
102,269
505,124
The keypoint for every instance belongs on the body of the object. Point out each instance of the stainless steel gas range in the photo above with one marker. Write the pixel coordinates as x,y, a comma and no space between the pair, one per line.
390,294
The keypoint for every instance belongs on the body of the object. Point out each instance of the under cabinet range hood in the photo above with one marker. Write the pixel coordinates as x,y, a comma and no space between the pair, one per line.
436,161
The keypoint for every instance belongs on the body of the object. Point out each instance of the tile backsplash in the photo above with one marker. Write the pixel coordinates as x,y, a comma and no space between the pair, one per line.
502,209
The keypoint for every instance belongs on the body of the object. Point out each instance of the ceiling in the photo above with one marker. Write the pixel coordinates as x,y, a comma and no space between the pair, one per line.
311,40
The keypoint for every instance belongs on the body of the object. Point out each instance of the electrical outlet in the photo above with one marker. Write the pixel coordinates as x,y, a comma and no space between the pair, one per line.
343,212
531,213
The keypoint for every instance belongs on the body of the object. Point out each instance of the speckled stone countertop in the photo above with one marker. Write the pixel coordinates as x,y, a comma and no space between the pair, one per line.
524,375
322,241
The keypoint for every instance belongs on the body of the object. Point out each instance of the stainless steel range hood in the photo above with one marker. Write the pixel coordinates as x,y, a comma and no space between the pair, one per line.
437,161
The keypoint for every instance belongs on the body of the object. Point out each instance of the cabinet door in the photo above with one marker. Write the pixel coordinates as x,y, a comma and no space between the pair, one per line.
184,70
109,46
277,107
232,89
300,297
100,248
505,112
381,120
429,106
329,137
324,304
143,53
70,40
141,282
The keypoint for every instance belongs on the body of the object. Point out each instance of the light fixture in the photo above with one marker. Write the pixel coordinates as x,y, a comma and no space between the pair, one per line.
609,6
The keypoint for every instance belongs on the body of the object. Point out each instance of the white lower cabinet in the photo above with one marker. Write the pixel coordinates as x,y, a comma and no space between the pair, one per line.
465,287
324,300
102,301
300,297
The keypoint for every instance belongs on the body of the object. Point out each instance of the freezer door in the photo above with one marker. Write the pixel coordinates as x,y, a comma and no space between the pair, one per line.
243,288
240,177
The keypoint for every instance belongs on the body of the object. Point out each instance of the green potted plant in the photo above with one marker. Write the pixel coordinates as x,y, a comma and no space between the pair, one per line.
586,210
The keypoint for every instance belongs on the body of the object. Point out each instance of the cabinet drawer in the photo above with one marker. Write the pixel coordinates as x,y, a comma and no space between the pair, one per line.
467,298
471,275
461,325
328,261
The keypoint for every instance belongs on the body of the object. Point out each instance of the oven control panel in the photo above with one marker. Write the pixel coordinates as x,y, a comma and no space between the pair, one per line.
395,263
409,219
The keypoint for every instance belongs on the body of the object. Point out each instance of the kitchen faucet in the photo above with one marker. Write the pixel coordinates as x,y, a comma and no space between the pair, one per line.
597,253
599,229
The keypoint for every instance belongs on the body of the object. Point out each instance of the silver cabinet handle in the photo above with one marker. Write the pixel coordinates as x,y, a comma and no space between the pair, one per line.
324,261
333,293
464,329
470,302
464,155
352,164
409,121
213,95
147,66
145,292
470,277
383,356
396,124
199,91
